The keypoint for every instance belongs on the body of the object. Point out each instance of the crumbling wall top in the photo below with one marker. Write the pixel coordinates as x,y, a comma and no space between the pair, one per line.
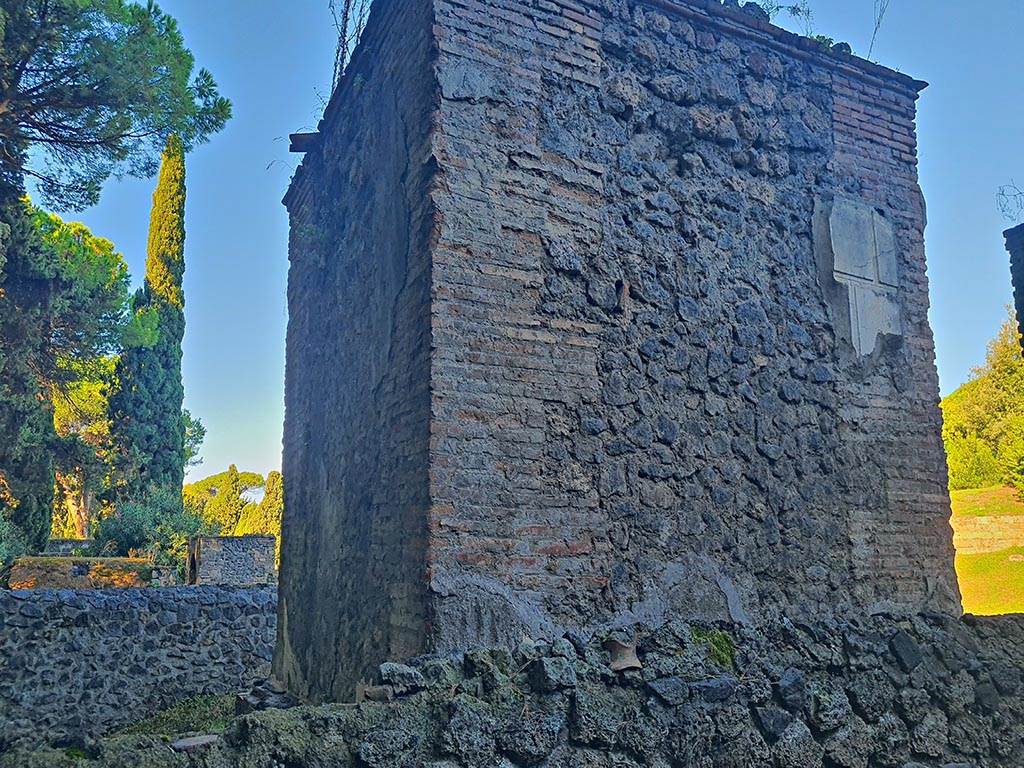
751,21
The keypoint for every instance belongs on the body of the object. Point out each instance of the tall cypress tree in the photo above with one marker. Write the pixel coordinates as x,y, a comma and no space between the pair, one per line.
146,415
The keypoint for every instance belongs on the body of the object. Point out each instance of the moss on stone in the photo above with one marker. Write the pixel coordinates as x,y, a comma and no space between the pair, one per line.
205,714
720,646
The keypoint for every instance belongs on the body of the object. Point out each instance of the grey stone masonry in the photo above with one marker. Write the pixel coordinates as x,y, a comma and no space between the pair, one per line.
1015,245
75,664
232,560
66,547
878,692
603,312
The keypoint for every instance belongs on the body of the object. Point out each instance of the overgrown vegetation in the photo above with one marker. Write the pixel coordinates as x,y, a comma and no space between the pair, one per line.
203,714
983,420
1010,199
801,13
90,89
350,18
721,649
156,526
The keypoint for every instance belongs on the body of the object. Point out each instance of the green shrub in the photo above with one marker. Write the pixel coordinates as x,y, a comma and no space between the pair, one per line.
12,545
972,464
156,525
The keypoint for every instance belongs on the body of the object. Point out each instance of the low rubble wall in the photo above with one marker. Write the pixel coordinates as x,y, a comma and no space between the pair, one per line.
76,664
923,692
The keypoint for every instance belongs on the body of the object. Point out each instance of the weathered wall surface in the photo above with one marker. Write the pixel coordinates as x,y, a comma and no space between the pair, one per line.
682,360
928,693
357,378
78,663
608,311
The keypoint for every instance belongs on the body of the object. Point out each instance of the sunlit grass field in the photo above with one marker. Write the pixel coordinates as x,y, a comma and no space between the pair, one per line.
993,501
990,582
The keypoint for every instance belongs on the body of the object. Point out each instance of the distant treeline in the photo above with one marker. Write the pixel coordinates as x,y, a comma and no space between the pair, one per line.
983,420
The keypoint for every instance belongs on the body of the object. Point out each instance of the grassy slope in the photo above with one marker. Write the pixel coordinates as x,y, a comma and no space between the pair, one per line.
976,502
992,582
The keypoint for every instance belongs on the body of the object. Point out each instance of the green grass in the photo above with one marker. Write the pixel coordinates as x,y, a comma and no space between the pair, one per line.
992,582
206,714
978,502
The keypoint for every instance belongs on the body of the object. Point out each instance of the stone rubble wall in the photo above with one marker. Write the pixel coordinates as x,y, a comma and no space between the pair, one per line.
232,560
926,692
603,311
655,391
79,663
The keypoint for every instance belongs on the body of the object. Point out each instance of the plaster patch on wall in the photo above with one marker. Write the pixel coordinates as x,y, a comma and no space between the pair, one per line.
856,249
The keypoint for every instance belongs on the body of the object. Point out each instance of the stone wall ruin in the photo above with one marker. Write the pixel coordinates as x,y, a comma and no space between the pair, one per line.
76,664
600,313
231,560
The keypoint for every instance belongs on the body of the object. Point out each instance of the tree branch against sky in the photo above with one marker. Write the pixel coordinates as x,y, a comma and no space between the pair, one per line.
91,90
1010,199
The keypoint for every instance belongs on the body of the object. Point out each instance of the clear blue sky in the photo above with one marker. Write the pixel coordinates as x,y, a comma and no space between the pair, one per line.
273,60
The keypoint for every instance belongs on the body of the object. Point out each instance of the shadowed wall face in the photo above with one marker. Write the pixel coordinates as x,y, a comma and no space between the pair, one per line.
357,383
675,328
1015,245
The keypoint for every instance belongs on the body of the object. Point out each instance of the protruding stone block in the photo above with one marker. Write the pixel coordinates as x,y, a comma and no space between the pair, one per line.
856,248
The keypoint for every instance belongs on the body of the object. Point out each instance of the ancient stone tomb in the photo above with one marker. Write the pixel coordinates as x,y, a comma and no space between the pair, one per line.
603,313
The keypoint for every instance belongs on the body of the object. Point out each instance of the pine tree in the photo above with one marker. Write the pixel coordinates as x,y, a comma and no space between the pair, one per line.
146,410
63,301
265,516
225,509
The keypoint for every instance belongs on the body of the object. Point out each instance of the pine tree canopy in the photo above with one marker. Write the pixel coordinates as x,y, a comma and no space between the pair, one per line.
95,88
63,309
